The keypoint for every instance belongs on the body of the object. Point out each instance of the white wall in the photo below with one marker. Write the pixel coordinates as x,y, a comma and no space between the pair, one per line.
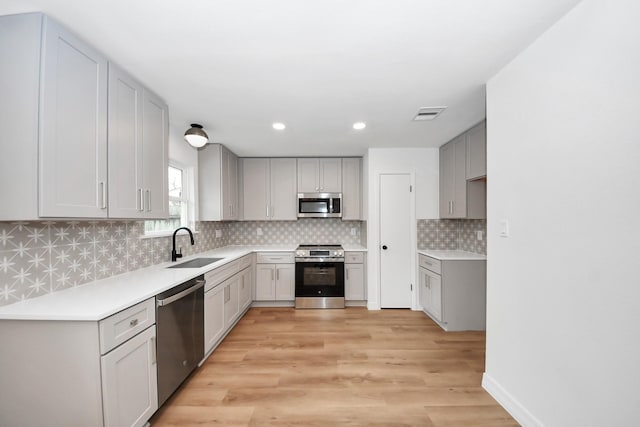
563,306
423,163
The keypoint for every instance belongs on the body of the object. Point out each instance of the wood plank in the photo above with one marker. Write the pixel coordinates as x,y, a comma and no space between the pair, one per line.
352,367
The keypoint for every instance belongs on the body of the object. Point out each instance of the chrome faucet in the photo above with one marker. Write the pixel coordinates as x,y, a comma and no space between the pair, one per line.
175,255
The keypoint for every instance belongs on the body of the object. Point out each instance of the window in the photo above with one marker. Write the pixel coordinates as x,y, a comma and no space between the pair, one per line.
180,203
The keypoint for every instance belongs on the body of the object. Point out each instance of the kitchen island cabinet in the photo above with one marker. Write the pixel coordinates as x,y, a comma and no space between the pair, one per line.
452,290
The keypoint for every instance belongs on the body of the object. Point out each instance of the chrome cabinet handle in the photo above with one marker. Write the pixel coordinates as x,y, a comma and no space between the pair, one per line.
267,211
141,199
103,195
277,274
134,322
148,200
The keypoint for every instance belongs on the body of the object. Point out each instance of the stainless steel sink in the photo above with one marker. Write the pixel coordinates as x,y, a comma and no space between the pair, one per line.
196,263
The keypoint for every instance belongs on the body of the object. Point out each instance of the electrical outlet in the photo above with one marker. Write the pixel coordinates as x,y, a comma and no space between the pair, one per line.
218,233
504,228
353,231
259,231
479,234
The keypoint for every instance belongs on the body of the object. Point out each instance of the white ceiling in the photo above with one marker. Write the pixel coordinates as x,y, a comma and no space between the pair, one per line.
237,66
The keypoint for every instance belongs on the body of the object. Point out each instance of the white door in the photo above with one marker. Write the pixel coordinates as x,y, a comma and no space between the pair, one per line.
395,241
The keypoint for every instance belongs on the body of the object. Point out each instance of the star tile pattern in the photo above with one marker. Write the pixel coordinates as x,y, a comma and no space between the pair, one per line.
451,234
42,257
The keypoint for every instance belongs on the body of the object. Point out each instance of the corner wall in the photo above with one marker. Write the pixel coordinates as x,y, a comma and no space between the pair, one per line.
563,291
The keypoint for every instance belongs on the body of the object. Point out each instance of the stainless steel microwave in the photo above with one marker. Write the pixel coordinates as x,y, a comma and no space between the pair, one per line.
319,205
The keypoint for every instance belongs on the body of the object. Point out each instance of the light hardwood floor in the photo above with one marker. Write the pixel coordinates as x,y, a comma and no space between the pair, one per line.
352,367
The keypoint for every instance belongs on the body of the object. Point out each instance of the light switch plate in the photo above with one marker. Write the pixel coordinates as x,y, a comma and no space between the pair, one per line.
218,233
504,228
479,234
259,231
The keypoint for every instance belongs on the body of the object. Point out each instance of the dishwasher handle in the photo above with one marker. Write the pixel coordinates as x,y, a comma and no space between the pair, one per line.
198,284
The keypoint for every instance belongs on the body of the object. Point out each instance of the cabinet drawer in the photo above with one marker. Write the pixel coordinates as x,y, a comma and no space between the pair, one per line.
430,264
245,262
353,257
220,274
116,329
275,258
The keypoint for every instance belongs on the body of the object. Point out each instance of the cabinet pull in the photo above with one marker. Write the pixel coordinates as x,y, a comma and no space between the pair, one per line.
347,271
148,200
134,322
154,357
141,199
271,274
103,196
277,274
267,211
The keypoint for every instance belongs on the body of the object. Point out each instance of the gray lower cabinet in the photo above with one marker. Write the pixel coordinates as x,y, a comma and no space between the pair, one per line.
83,373
354,277
275,277
228,292
453,292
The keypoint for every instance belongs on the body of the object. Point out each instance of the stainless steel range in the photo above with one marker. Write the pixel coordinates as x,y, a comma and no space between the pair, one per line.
319,276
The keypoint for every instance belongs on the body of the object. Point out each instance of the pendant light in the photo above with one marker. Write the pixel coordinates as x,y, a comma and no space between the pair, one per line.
196,136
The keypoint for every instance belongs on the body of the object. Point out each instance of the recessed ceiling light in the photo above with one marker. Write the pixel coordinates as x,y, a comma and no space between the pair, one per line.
359,125
279,126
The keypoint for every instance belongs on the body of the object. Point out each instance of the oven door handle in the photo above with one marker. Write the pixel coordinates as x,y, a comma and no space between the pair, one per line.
173,298
321,260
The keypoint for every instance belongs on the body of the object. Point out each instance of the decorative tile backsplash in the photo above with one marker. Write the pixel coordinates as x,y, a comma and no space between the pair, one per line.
461,234
37,258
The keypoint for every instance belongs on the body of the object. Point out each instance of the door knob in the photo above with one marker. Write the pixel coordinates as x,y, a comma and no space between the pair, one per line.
384,247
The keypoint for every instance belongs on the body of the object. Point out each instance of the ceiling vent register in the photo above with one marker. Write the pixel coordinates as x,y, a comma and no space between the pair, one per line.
428,113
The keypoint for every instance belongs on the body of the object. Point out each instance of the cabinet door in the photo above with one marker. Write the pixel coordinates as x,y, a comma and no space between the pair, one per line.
460,179
214,317
255,189
231,301
354,282
129,381
283,189
265,282
246,280
447,177
434,294
330,171
232,185
477,152
308,176
125,146
285,282
73,138
351,189
423,289
155,156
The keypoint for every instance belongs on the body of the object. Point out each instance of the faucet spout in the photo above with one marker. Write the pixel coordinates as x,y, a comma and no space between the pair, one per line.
175,255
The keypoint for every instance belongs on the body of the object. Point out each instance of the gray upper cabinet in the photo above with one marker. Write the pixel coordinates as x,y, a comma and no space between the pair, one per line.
453,179
126,193
53,109
217,183
155,156
319,175
477,151
461,196
351,189
73,139
268,189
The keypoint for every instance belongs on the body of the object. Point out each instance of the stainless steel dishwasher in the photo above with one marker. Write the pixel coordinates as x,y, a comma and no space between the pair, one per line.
180,334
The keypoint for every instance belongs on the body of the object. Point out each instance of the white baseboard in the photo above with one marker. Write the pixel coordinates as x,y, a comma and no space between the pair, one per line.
509,403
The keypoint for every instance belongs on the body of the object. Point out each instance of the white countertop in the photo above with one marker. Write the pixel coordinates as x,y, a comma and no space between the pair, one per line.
100,299
456,255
